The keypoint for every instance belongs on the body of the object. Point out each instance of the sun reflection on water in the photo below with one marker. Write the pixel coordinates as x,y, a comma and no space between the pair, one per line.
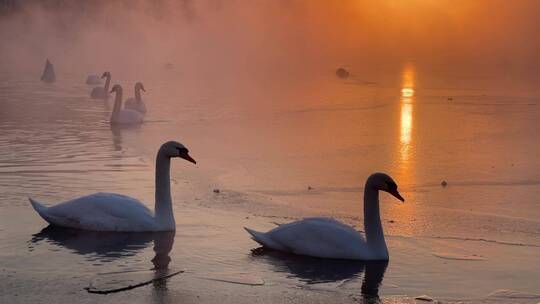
404,173
406,113
406,125
407,92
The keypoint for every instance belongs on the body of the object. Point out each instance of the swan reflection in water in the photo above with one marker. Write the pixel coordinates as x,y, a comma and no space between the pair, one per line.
316,270
111,246
117,134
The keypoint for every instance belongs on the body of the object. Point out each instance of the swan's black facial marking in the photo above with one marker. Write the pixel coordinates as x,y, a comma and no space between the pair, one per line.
392,189
391,185
182,151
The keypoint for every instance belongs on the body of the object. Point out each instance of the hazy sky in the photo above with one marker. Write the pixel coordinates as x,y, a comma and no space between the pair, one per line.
214,36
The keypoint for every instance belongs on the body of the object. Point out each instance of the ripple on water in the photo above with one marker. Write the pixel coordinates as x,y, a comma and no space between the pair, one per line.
45,153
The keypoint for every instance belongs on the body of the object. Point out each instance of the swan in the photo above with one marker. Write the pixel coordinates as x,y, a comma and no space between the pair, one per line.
117,212
121,116
93,79
102,92
136,103
48,73
327,238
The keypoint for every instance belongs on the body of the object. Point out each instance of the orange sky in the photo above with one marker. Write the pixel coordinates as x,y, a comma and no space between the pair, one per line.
266,35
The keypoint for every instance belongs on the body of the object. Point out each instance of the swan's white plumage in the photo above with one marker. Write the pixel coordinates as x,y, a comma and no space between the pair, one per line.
324,237
99,93
132,104
102,92
99,212
93,79
136,103
115,212
123,116
48,74
126,117
317,237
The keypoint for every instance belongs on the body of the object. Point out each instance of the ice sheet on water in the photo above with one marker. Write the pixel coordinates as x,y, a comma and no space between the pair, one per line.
457,256
242,278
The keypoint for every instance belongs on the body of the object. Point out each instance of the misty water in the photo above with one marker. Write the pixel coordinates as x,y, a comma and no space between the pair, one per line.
251,90
262,148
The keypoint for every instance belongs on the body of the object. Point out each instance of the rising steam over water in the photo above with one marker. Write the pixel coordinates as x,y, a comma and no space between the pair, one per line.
439,91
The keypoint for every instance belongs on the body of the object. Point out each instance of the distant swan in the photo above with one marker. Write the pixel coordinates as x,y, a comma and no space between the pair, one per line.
327,238
136,103
48,73
116,212
123,116
93,79
102,92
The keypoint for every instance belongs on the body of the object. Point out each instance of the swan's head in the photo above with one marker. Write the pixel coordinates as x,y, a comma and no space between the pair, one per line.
116,88
140,86
176,149
106,74
384,182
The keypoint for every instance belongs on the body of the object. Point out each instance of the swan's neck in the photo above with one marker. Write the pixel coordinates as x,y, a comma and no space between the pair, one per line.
163,208
117,105
138,94
372,219
107,84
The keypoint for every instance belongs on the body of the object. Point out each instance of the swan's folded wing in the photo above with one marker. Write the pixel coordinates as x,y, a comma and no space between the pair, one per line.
319,237
128,116
98,210
327,220
130,103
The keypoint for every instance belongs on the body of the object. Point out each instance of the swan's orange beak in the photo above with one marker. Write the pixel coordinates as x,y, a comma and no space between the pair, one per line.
396,194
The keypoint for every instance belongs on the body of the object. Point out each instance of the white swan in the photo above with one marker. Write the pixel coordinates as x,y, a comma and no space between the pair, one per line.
327,238
136,103
121,116
48,73
102,92
116,212
93,79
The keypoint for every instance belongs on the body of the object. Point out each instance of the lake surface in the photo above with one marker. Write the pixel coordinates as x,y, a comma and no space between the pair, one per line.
277,151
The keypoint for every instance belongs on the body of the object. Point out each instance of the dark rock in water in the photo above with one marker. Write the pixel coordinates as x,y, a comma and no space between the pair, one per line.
444,184
93,79
424,298
342,73
48,74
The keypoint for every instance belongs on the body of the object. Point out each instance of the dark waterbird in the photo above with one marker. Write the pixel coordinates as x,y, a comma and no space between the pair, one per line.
342,73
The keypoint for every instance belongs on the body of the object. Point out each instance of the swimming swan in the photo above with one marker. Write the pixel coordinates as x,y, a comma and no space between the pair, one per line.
48,73
121,116
102,92
116,212
136,103
93,79
327,238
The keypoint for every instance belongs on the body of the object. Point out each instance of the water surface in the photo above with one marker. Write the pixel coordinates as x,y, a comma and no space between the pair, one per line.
278,151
